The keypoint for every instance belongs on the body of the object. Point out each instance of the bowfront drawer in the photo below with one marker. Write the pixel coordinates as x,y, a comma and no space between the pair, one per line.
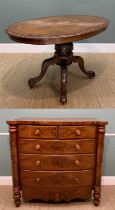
57,162
57,179
45,132
74,132
56,186
56,194
28,146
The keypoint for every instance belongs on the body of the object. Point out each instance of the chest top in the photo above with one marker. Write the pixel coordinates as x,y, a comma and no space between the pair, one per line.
57,121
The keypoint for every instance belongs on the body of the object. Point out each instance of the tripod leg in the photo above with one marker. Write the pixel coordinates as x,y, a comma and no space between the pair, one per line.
63,91
46,63
80,61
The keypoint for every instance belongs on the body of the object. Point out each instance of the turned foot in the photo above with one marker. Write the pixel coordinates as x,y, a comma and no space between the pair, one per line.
32,82
46,63
80,61
17,203
97,195
17,196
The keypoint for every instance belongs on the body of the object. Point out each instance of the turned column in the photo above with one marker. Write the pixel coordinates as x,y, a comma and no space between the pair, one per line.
14,158
99,160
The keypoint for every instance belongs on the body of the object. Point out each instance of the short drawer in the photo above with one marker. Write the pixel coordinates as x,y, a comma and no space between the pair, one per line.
75,132
57,178
45,132
56,162
31,146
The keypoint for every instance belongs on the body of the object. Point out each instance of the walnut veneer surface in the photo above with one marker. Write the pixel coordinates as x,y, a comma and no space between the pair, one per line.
56,159
57,29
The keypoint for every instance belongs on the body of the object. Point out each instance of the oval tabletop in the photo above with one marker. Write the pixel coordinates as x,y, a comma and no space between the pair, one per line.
56,29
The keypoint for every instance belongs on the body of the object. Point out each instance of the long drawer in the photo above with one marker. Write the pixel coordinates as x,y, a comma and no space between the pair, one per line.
56,146
57,194
57,178
56,162
37,132
74,132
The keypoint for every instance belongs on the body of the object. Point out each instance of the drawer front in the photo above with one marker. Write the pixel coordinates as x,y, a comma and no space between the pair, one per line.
57,162
70,132
56,194
57,179
45,132
56,146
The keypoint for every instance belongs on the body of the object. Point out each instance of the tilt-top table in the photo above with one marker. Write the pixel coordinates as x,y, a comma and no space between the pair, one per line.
61,31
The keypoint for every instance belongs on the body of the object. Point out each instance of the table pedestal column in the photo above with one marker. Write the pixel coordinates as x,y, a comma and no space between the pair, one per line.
63,57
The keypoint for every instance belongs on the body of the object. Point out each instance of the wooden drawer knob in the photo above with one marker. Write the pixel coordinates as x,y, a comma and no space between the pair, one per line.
77,163
76,179
77,147
37,132
38,179
78,132
37,147
37,162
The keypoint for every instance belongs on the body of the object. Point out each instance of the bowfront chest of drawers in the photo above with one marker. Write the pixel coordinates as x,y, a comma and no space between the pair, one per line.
56,159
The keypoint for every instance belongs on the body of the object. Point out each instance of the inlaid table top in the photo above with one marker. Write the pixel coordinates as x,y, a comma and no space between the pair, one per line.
57,29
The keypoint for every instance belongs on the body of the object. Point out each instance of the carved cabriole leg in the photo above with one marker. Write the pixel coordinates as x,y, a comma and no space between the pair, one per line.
63,56
14,158
46,63
80,61
63,92
99,158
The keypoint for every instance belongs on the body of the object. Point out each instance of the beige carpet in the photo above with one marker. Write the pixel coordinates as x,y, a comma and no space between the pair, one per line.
16,69
107,202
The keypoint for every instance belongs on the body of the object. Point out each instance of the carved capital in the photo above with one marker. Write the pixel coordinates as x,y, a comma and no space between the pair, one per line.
101,129
12,129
